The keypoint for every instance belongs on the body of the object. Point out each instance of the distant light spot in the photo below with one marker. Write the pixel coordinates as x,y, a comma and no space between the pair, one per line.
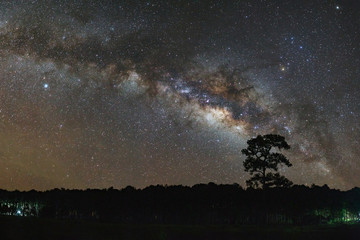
46,86
288,129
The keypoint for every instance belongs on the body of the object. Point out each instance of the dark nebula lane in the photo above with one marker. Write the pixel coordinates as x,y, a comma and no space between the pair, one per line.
96,94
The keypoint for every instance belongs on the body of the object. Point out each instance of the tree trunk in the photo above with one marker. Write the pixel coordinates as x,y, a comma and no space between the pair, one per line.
263,179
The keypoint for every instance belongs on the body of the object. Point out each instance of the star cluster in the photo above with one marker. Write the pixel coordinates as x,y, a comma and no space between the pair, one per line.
114,93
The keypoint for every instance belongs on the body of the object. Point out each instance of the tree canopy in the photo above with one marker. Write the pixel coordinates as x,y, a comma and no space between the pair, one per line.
262,161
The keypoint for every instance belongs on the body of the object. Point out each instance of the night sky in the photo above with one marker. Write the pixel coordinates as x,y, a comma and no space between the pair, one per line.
96,94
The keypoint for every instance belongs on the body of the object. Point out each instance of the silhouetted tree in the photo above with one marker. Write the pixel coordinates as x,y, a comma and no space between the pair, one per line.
262,160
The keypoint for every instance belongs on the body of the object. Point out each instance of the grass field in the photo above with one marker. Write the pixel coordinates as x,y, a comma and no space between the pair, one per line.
38,229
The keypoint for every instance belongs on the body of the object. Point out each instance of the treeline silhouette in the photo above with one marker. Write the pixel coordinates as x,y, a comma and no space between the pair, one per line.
200,204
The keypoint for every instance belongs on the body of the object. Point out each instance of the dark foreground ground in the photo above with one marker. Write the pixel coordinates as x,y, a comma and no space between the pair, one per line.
36,228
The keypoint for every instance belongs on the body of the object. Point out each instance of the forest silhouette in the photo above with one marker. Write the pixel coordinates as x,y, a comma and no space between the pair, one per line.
200,204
